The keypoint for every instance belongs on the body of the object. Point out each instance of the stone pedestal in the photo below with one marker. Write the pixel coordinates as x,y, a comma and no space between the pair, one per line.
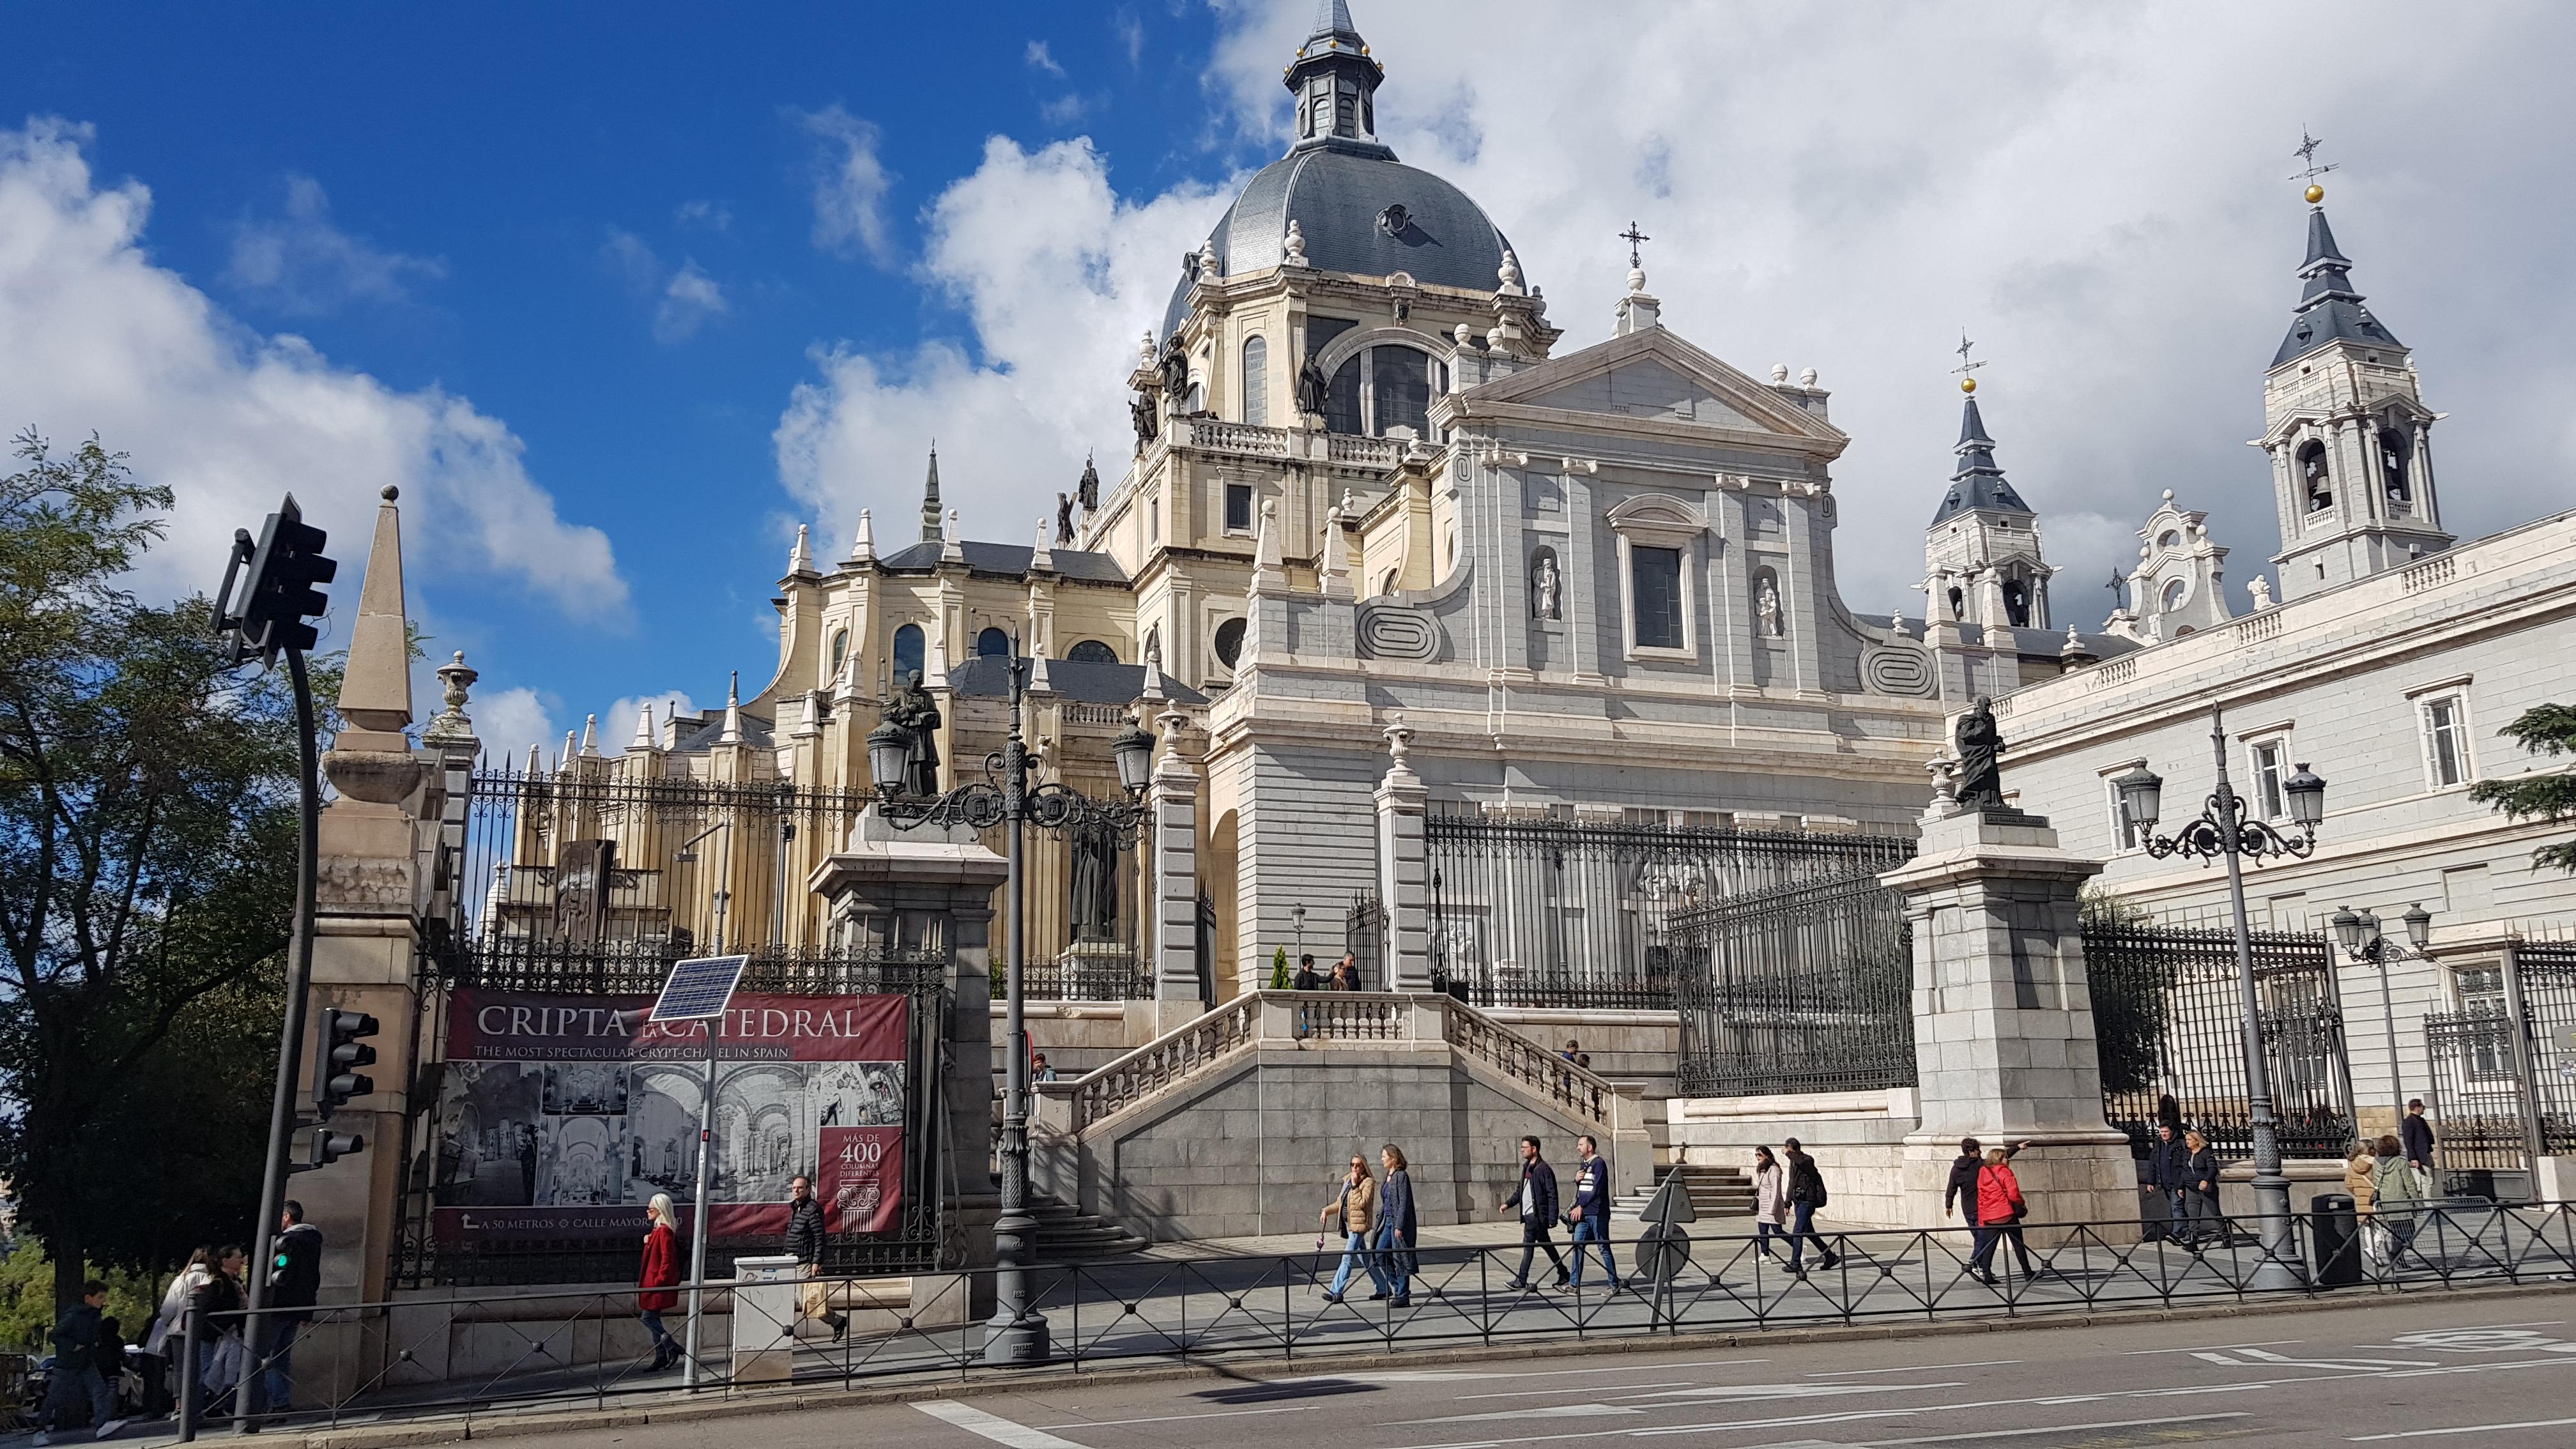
932,887
2003,1021
1172,915
1403,872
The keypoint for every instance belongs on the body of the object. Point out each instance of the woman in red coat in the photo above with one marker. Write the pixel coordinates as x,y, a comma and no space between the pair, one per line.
658,1274
2000,1210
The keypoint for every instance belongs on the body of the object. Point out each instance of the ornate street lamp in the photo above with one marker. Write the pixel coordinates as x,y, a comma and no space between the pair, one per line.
2361,940
1016,1333
2224,831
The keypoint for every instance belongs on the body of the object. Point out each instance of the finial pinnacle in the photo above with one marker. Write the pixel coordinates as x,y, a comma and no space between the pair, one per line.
2307,152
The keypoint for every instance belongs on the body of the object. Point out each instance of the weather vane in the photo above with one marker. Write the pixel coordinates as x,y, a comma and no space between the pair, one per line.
1966,369
2307,153
1634,238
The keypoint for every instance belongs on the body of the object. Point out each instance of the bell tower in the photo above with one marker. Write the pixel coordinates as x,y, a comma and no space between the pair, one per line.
2347,430
1981,555
1335,82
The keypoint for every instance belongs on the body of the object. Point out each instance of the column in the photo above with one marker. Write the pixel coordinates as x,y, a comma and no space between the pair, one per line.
1403,874
1173,917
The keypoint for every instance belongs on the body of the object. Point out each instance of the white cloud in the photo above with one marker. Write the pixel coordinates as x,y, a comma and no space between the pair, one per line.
684,299
508,721
302,264
1056,310
850,186
102,339
1041,59
706,215
617,722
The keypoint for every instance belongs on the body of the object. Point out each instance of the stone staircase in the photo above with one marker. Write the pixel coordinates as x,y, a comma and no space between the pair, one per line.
1066,1234
1715,1192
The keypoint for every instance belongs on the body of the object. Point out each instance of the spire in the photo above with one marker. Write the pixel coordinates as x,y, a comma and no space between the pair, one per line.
643,740
1042,557
863,549
952,545
590,738
571,751
800,559
732,734
930,499
375,682
1979,481
2329,309
1335,83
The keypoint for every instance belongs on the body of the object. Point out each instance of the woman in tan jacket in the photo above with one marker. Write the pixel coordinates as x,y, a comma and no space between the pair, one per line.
1355,1208
2356,1177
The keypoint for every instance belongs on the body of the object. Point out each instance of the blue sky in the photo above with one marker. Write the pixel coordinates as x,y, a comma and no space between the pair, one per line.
621,297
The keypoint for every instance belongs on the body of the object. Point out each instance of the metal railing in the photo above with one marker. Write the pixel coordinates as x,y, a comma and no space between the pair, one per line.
427,1356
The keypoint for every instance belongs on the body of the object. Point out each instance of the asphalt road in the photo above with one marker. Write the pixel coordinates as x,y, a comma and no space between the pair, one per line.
2499,1373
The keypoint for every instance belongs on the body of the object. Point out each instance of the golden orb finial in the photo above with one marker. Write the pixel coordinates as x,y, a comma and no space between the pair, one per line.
2316,193
1967,384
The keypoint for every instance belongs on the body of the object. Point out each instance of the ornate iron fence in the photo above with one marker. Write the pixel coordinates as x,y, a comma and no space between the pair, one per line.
2548,970
2169,1018
2477,1095
1083,976
1569,913
1364,929
1800,988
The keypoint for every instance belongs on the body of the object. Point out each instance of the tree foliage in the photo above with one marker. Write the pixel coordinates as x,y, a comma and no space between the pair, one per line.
147,841
2546,729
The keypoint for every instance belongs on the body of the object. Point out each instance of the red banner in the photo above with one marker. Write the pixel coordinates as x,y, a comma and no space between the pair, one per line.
561,1116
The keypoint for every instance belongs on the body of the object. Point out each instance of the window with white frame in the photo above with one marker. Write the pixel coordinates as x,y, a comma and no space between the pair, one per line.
2125,834
2270,769
1658,598
2444,719
1238,508
1655,589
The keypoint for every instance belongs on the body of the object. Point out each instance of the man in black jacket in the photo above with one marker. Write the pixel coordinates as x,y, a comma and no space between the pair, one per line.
2169,1172
294,1281
2416,1135
1536,1202
1806,1194
1962,1191
805,1244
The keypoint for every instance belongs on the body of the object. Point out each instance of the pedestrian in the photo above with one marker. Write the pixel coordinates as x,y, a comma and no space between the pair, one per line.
1806,1195
75,1375
218,1306
1306,979
1354,1210
294,1281
805,1243
657,1275
1590,1214
1397,1235
1962,1191
1349,967
1535,1202
1770,1201
2000,1209
163,1342
2416,1135
2168,1165
2360,1164
2200,1189
1573,1049
111,1367
1039,1070
2397,1194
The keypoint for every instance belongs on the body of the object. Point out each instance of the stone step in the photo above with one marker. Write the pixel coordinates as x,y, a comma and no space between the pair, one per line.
1067,1234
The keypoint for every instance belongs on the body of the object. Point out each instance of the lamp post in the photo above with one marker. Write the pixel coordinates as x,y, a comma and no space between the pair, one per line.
1297,916
2361,940
2223,831
1017,1332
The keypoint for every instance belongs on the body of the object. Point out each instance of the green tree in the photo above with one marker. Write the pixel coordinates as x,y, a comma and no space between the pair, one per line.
2545,729
1279,969
147,840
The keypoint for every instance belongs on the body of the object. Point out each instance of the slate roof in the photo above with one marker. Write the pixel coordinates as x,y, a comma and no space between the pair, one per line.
1011,559
755,731
989,677
2329,309
1979,483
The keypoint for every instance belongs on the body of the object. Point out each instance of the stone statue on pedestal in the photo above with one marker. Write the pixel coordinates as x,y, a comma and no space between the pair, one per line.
1981,746
917,715
1095,881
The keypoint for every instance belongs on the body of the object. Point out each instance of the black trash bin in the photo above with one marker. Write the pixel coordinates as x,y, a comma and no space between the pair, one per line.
2335,1228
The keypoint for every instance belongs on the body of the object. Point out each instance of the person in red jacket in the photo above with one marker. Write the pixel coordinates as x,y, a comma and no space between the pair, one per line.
657,1275
2000,1210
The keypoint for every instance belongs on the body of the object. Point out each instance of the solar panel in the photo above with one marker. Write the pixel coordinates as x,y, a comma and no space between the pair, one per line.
698,990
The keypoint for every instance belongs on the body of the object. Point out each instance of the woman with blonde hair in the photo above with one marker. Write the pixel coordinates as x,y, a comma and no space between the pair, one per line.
657,1275
1354,1210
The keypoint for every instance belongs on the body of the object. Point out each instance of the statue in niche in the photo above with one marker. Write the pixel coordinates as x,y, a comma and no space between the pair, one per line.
915,713
1766,608
1140,412
1545,587
1981,747
1094,902
1311,385
1063,520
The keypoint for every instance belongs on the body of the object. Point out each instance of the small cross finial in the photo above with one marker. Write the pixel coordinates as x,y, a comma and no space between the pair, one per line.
1635,238
2118,582
1966,370
2309,172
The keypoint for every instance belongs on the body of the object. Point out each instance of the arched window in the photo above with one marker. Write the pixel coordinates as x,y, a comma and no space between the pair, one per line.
1092,651
2393,457
1256,381
1229,642
1387,585
993,644
1154,520
1958,604
1342,400
1399,390
908,653
2017,603
2174,590
2171,539
2313,477
840,650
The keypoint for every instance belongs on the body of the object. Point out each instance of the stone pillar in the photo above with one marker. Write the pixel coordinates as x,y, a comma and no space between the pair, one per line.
1403,873
906,889
1172,917
2003,1020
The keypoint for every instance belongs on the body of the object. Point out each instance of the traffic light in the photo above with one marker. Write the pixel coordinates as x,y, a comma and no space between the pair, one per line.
336,1077
285,564
330,1147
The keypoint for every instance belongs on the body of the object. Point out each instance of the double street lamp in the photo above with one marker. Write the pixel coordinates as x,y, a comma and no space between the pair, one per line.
2360,937
1017,1332
2225,831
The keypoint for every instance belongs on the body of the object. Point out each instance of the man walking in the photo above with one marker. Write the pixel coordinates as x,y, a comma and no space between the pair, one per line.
2169,1172
1591,1213
294,1281
1536,1203
2416,1135
1806,1194
76,1370
805,1243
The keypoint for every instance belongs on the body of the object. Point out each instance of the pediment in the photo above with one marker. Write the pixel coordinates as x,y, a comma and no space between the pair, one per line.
1657,377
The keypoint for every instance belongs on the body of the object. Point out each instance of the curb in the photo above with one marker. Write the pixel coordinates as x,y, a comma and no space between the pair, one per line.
462,1428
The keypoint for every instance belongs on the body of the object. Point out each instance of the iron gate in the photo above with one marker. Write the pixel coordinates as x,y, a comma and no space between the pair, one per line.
2548,971
1364,930
2497,1095
2169,1020
1800,988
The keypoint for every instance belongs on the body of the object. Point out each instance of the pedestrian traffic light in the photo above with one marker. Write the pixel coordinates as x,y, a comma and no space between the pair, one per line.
336,1077
279,596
